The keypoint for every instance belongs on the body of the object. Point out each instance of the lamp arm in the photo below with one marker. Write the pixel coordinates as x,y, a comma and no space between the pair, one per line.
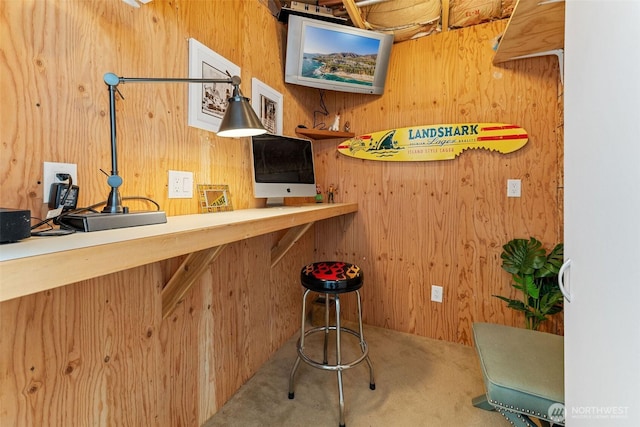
113,80
114,201
244,119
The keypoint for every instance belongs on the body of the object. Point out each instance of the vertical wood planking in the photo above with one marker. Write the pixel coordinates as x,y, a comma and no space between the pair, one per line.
84,354
444,223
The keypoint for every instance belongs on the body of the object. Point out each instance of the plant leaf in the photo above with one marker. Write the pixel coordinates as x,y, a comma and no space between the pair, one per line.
553,262
551,303
532,289
522,257
514,303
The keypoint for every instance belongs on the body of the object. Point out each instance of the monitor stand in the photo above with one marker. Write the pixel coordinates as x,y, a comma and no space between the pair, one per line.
275,202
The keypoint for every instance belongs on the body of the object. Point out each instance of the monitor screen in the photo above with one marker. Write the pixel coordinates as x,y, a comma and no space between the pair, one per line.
282,167
337,57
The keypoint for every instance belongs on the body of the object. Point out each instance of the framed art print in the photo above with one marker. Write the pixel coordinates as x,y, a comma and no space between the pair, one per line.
208,101
214,198
267,103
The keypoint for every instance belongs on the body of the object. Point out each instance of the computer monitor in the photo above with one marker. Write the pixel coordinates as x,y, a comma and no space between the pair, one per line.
282,167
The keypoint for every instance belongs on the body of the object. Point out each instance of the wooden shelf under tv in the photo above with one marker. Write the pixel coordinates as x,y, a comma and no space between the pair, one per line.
323,134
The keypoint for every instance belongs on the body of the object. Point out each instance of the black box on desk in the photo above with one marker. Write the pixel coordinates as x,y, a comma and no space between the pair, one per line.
15,224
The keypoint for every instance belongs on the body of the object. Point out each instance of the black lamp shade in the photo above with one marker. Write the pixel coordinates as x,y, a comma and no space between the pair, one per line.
240,119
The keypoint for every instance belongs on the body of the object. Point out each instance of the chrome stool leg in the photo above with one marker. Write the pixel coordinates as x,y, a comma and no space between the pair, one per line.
325,359
300,345
339,362
363,345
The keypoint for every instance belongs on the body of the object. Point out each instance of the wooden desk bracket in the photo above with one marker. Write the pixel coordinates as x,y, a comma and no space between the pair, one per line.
187,274
287,241
197,262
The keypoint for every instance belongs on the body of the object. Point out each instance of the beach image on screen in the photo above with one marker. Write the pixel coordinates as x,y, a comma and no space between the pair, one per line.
337,56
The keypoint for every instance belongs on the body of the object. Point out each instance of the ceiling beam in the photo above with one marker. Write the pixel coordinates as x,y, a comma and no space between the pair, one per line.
354,13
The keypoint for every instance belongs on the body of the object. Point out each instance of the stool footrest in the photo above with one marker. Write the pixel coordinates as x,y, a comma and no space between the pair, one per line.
329,367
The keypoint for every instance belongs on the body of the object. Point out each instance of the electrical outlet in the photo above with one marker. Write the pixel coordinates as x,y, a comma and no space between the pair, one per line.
513,188
436,293
180,185
50,170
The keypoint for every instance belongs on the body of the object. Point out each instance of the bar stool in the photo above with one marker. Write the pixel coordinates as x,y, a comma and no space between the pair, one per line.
332,278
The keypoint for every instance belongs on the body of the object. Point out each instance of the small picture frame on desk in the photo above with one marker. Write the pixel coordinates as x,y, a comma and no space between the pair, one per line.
267,103
214,198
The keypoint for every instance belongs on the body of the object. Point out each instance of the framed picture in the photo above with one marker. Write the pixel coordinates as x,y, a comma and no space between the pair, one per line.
214,198
208,101
267,103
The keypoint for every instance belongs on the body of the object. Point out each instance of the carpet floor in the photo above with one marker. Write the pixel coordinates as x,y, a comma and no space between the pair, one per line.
419,382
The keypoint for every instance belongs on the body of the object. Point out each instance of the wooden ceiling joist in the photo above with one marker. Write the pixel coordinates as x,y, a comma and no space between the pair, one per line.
329,3
354,13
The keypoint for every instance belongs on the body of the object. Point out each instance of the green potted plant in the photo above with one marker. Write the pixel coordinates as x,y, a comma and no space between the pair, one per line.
535,274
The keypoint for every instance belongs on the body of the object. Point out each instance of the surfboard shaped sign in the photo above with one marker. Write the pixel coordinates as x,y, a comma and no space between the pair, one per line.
434,142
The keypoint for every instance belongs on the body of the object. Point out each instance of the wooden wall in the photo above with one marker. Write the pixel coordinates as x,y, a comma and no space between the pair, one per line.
444,223
98,352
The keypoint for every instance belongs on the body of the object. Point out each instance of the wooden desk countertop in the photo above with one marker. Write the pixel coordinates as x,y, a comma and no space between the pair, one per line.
40,263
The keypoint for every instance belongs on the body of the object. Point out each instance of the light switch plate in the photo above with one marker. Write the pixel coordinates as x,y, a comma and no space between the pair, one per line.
436,293
180,185
513,188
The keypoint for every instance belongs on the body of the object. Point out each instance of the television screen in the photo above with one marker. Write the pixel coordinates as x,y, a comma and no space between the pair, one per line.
336,57
282,167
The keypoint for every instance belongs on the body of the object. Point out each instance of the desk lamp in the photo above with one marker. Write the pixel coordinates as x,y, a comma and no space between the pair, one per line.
239,120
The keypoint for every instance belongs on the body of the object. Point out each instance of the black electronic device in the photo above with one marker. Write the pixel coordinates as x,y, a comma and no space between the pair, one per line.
107,221
58,195
322,13
15,224
336,57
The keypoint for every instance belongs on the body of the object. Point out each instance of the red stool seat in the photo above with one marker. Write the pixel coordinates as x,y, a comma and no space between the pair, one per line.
331,277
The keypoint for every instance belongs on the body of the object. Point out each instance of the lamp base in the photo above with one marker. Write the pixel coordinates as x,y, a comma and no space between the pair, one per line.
110,221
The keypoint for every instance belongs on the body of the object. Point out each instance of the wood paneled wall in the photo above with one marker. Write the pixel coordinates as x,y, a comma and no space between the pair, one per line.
98,352
444,223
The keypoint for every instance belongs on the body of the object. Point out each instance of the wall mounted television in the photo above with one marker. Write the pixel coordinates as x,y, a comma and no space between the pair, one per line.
282,167
336,57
